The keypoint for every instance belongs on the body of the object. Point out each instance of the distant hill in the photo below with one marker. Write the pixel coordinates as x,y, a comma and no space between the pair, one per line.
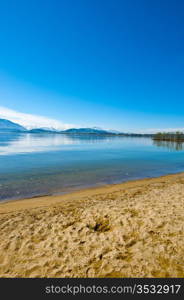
42,130
72,131
6,125
86,131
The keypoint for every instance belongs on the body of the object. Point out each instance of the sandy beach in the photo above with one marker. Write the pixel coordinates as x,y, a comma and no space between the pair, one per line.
133,229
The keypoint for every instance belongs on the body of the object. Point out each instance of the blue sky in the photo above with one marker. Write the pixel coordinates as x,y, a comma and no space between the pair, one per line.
113,64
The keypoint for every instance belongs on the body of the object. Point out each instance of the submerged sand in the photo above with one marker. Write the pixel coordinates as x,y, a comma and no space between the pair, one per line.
134,229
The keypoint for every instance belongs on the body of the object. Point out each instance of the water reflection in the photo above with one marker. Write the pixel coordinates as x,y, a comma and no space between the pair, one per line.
15,143
171,145
18,143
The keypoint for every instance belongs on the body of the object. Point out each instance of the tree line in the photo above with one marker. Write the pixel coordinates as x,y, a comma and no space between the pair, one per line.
169,136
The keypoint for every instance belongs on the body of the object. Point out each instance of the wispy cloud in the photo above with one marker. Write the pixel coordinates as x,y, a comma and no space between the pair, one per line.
32,121
155,130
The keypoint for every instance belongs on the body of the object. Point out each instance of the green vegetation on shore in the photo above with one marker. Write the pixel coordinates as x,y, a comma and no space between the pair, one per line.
177,136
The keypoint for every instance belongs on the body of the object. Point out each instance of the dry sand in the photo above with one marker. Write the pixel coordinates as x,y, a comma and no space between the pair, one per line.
134,229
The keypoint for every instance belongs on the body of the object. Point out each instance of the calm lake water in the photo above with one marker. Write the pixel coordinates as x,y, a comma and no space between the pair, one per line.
40,164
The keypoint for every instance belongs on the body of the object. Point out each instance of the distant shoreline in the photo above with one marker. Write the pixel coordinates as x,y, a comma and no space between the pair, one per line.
79,133
169,140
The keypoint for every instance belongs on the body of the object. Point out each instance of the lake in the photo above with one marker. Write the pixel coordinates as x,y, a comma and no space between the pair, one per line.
42,164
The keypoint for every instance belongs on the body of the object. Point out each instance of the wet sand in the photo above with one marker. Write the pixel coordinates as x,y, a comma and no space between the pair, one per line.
133,229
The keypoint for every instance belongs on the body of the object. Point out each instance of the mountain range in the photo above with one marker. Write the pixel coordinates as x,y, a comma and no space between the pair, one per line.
6,125
9,126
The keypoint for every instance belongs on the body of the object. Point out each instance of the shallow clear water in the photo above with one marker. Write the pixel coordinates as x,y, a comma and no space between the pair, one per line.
39,164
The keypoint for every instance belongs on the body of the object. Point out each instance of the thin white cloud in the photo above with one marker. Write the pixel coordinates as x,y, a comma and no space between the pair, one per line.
32,121
155,130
